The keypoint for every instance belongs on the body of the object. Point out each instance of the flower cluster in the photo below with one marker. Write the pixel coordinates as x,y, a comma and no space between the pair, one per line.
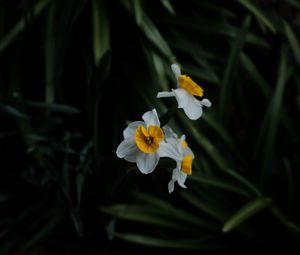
145,142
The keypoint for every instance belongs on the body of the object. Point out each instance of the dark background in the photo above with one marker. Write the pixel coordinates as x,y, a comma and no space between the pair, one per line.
73,74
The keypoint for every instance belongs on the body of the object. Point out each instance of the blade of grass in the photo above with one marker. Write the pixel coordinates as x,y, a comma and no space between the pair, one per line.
256,75
144,214
178,213
101,30
246,212
152,33
294,43
234,56
201,140
219,185
192,245
243,180
205,207
273,115
138,11
168,6
20,25
258,14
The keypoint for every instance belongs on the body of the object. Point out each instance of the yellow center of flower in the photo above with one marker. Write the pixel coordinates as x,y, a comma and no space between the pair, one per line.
186,164
190,86
148,140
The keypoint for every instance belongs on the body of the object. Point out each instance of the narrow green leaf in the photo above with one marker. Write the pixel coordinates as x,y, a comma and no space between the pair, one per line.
79,187
140,213
246,212
51,107
13,111
168,6
171,244
272,116
153,34
203,141
20,25
294,3
243,180
138,11
178,213
219,185
205,207
53,217
258,14
292,38
60,19
256,75
234,56
50,55
223,133
101,30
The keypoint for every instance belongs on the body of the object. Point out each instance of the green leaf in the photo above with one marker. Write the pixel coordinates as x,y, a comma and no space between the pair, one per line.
51,107
268,139
203,141
246,212
13,111
138,11
153,34
223,133
203,206
178,213
171,244
234,56
20,25
257,77
61,17
243,180
168,6
145,214
258,14
292,38
101,30
222,185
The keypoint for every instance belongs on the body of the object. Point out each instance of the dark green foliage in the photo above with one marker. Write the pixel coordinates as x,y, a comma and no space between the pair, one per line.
74,73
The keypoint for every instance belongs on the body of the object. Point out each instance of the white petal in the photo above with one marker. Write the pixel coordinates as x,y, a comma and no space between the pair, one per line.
193,109
176,70
170,149
205,102
180,177
131,155
130,130
182,97
146,163
165,94
127,146
169,133
182,138
171,186
151,118
188,151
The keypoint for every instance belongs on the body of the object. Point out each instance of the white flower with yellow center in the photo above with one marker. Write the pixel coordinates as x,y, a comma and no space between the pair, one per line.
178,150
185,94
141,144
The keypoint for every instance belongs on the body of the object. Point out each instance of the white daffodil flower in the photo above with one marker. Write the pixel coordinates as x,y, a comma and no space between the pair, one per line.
184,94
178,150
141,144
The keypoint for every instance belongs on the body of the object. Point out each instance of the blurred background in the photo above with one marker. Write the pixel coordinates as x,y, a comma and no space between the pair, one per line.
74,73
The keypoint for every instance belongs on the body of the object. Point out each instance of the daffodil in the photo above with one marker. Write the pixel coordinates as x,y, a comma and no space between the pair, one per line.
178,150
141,144
185,94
